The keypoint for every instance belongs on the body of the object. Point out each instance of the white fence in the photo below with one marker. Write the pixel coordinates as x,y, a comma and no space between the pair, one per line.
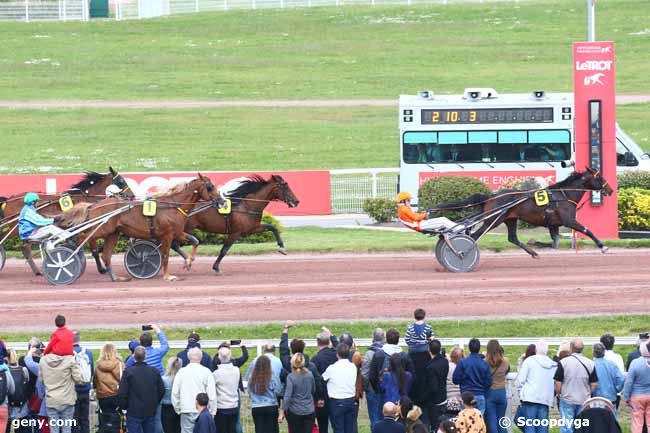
37,10
349,188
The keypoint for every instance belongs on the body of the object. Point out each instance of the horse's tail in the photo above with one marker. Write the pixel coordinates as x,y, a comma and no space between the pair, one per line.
473,201
75,216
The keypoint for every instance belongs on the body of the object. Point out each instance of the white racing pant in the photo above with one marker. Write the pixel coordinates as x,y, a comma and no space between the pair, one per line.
44,233
437,224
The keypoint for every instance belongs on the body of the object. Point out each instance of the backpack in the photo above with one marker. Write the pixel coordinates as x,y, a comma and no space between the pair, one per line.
3,386
21,383
109,422
82,360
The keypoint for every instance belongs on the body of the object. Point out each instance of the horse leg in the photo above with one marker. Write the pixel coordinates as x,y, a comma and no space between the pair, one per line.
276,234
27,253
575,225
107,252
512,237
176,246
164,251
224,250
555,236
195,245
95,252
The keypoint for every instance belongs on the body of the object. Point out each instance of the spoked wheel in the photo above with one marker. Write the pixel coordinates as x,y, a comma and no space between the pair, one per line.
61,266
143,260
82,261
459,254
3,257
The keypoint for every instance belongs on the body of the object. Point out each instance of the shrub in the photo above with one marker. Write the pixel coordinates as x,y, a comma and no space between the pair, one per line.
381,210
444,189
634,179
634,209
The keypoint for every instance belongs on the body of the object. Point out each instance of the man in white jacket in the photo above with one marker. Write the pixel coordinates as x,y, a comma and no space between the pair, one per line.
190,381
536,389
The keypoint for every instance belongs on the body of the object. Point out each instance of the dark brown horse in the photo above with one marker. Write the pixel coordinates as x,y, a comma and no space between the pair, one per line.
167,224
564,198
90,189
248,201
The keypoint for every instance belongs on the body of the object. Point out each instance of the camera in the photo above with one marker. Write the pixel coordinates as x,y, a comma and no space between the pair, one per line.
147,327
539,94
235,342
474,94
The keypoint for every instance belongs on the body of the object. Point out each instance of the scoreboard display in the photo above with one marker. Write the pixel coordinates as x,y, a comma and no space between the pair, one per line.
487,115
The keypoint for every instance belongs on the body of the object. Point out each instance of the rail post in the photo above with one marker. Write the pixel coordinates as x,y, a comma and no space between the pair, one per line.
374,183
26,10
196,5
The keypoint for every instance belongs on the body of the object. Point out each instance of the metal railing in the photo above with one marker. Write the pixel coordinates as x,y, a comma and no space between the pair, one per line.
349,188
39,10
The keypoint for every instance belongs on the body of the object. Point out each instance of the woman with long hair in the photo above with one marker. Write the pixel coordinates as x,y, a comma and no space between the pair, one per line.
108,374
396,382
21,385
171,421
495,399
264,389
299,396
454,402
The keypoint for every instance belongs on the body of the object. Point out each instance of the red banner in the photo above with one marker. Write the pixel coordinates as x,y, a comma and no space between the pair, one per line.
594,89
496,179
311,187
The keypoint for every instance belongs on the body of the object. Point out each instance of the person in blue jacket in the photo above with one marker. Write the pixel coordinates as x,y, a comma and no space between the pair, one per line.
28,221
473,374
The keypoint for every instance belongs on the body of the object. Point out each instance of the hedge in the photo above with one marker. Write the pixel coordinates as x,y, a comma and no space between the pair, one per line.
634,209
382,210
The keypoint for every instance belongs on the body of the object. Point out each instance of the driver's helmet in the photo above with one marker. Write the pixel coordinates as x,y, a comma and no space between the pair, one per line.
31,197
403,196
112,190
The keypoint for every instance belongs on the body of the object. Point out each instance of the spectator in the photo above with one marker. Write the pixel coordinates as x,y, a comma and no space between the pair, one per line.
132,345
61,340
18,408
6,381
563,350
381,361
644,338
535,384
470,419
107,380
373,396
325,357
608,341
227,379
357,360
447,426
171,421
473,375
276,364
38,406
403,408
436,384
60,374
413,420
496,401
388,424
299,396
418,333
188,383
346,338
454,402
264,389
636,392
396,382
575,380
193,341
287,350
204,420
531,350
341,379
141,390
237,362
610,378
82,406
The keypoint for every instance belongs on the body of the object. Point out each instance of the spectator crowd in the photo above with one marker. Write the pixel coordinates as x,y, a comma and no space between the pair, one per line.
418,390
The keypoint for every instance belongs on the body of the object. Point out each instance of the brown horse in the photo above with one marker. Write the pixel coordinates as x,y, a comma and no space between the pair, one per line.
167,224
248,202
563,200
90,189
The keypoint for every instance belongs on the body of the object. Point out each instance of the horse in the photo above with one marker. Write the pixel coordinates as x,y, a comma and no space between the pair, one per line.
248,201
90,189
564,198
165,226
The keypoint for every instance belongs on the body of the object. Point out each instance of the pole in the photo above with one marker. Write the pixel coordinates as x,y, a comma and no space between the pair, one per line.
591,20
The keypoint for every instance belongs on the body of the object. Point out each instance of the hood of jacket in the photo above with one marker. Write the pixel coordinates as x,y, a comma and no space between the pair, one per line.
391,349
54,361
107,365
544,361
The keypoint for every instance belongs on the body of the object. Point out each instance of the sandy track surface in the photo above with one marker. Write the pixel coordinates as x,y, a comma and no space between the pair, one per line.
270,288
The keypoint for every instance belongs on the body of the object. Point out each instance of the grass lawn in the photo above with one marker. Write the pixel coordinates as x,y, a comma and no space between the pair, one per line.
217,139
349,52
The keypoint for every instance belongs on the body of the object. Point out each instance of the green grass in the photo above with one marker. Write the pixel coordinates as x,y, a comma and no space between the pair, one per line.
350,52
62,140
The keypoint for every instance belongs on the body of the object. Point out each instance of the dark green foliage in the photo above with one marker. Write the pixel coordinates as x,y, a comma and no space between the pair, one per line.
381,210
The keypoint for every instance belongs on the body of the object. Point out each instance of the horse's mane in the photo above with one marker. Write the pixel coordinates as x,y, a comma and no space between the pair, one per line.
90,179
568,181
247,187
173,189
75,216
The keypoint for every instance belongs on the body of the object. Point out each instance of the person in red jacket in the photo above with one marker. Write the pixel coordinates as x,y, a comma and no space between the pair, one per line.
419,221
61,340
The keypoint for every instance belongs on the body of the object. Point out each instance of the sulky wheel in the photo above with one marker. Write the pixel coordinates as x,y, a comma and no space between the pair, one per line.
143,260
82,261
463,257
61,266
3,257
439,245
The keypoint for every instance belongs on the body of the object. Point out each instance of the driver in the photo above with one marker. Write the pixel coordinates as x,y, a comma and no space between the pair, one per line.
419,221
28,221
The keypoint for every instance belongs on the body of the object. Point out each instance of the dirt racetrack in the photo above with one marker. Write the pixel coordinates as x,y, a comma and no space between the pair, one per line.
355,286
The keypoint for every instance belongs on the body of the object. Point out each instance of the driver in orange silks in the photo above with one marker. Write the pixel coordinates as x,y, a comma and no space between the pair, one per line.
419,221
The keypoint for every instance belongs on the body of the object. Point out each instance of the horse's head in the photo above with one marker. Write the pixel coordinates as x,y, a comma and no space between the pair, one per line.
282,191
595,181
120,182
206,189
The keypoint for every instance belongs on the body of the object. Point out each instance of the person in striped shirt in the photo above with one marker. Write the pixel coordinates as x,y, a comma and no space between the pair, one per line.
418,333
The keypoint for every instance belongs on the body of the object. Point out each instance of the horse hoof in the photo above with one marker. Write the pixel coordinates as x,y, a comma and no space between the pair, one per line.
535,256
101,271
187,266
121,279
38,274
283,251
170,278
604,250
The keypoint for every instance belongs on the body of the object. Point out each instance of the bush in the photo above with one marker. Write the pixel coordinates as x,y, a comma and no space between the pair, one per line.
634,179
444,189
381,210
634,209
